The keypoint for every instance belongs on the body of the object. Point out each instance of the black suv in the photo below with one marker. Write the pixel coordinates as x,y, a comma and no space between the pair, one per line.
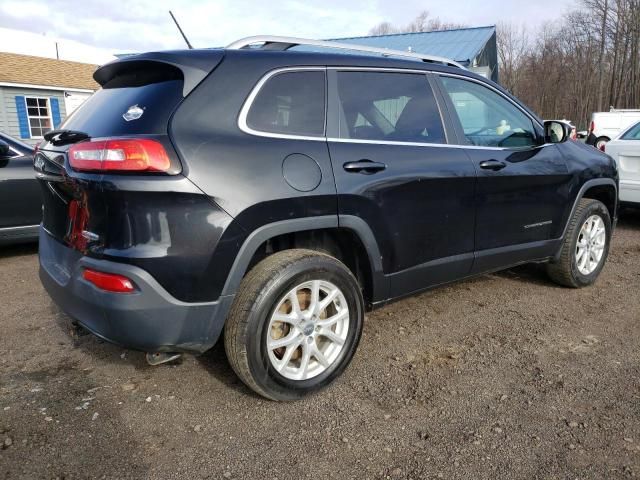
277,194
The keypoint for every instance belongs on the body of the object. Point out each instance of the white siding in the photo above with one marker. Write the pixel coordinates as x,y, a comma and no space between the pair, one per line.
9,116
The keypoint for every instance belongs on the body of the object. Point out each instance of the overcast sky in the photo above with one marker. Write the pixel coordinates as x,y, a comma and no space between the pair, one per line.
142,25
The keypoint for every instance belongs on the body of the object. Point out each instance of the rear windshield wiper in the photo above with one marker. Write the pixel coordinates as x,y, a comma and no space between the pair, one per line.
65,137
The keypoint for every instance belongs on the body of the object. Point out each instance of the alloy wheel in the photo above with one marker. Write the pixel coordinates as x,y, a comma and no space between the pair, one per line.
590,245
307,330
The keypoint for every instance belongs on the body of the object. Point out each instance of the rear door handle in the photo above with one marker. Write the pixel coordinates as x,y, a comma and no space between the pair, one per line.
494,165
364,166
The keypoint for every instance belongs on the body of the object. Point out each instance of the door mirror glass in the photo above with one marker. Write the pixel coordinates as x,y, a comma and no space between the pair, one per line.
556,132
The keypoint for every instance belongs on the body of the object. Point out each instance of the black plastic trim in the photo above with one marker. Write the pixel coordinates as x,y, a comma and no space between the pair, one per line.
20,234
271,230
594,182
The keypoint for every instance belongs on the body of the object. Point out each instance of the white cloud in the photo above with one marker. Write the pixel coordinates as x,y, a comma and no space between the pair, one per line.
143,25
27,43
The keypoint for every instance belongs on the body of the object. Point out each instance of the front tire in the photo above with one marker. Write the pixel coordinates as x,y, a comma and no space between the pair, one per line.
601,142
585,246
295,324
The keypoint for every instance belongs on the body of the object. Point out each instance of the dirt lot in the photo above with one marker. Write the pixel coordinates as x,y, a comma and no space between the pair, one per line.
505,376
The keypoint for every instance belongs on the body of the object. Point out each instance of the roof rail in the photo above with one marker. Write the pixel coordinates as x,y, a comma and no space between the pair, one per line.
284,43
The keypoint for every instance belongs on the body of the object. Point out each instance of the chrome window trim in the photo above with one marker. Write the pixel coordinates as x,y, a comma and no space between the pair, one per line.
6,229
437,145
246,107
244,111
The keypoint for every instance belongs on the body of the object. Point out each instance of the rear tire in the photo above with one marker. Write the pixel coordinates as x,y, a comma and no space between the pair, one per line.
305,301
584,251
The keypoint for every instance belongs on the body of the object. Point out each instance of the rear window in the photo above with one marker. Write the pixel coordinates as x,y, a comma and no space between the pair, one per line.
155,96
290,103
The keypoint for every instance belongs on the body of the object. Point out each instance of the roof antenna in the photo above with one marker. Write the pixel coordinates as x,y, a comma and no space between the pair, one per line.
181,32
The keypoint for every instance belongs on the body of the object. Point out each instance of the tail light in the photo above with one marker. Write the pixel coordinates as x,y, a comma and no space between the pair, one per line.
109,282
120,155
592,127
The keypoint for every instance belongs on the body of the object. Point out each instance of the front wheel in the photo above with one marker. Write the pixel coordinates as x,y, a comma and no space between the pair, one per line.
601,142
585,246
295,324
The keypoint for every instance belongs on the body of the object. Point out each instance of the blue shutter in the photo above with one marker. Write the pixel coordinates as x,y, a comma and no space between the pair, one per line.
55,111
23,120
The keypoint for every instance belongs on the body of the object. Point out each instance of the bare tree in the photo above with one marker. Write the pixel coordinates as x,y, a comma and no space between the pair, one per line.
586,61
384,28
421,23
513,46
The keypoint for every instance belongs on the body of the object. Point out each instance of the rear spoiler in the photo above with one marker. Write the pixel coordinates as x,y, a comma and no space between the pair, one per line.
194,65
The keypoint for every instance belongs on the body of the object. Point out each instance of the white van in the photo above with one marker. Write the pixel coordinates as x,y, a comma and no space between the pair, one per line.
607,125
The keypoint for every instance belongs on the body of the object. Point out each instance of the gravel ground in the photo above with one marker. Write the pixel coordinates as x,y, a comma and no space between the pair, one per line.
504,376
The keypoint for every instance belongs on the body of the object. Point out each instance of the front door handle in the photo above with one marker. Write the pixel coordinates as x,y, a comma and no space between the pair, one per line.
494,165
364,166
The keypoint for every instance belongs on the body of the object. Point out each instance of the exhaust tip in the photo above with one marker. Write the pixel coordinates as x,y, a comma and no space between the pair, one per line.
158,358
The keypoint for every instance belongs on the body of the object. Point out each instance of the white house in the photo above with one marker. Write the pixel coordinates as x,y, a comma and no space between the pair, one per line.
37,94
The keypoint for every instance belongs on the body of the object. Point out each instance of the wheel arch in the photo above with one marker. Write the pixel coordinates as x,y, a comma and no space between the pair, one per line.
602,189
347,237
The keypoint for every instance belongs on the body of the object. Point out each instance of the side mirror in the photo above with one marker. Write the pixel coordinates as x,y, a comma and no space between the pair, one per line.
5,151
556,131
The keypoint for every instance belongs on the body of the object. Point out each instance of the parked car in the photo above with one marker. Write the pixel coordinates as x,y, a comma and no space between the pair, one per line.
277,195
607,125
20,199
625,150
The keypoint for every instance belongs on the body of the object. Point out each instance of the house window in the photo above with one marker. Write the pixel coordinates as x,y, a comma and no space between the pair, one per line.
39,115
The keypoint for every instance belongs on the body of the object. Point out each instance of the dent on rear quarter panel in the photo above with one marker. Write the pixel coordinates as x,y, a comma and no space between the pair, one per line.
170,234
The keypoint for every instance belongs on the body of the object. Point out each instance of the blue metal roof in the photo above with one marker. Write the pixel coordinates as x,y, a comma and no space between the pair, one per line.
461,45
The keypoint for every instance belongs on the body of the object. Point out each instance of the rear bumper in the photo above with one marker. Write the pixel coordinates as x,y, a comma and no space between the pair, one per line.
150,319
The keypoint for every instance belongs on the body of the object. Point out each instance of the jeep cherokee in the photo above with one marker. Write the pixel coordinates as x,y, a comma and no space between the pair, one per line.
277,189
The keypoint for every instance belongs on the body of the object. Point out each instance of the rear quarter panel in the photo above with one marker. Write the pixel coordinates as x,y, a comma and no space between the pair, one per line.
240,172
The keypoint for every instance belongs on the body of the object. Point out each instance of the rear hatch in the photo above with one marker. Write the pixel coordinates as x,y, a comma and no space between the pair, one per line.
114,144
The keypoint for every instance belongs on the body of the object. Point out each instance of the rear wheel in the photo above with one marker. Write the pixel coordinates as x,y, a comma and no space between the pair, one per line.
585,246
295,324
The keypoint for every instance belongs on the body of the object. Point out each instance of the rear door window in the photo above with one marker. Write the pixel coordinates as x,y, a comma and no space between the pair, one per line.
386,106
290,103
488,119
